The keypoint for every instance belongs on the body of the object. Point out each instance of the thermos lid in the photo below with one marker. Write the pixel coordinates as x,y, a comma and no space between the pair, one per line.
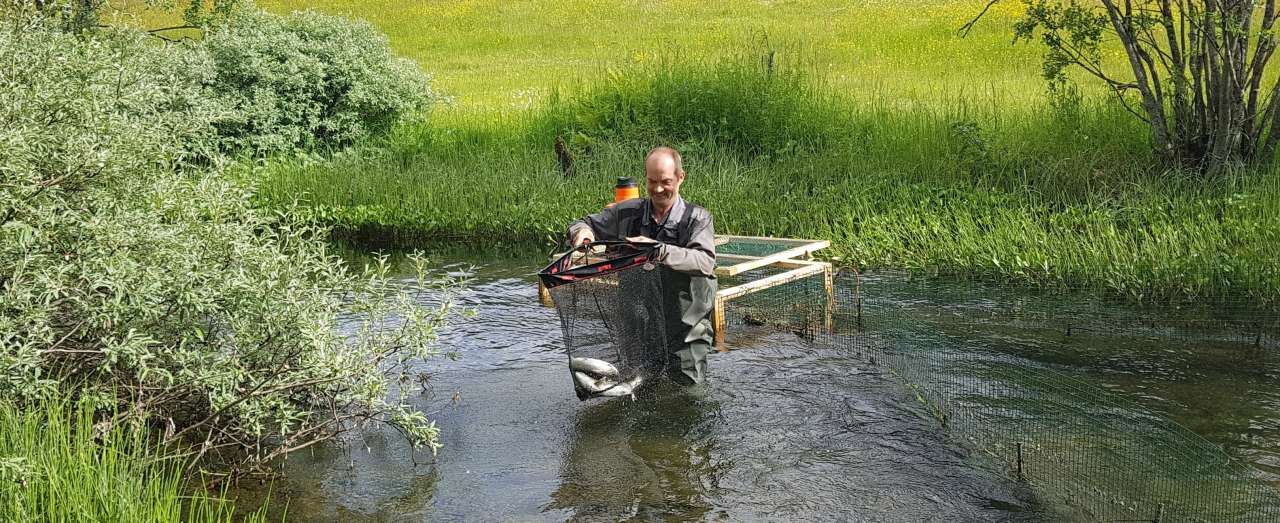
625,181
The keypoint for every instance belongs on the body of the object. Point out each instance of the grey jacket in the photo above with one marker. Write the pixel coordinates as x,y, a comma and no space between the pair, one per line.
697,257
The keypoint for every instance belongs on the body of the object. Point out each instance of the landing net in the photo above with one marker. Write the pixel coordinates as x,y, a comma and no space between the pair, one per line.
611,305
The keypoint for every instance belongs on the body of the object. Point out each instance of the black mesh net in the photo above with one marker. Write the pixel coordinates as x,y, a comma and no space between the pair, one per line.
611,305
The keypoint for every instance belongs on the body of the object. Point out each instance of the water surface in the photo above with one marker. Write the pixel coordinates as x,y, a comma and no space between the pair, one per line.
786,430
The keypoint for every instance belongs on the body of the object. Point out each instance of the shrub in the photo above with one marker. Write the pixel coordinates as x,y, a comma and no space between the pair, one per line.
155,290
307,80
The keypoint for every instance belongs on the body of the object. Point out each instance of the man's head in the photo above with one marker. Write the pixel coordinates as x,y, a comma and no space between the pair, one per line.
663,174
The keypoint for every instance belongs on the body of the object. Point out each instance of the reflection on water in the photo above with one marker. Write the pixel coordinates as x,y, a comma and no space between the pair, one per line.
649,459
787,430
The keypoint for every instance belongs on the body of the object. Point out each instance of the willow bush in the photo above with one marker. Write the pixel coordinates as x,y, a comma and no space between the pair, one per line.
307,80
136,277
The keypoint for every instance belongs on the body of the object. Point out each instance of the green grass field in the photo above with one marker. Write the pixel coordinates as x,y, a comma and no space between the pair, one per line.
874,125
497,56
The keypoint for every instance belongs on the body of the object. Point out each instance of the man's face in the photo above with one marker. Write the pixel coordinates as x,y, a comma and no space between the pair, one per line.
662,181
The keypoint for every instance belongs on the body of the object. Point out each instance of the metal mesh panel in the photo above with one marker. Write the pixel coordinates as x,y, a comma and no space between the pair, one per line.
995,367
1094,454
801,307
753,247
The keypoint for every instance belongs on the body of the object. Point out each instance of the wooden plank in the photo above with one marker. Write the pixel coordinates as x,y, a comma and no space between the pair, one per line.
718,324
829,281
785,264
544,295
767,239
739,268
771,281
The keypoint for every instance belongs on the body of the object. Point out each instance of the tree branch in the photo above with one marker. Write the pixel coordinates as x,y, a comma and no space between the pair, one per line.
964,29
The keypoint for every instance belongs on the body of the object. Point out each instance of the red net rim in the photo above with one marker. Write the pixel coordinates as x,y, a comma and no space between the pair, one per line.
620,256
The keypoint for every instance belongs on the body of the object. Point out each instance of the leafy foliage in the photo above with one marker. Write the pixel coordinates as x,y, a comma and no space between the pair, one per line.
1196,71
755,104
307,80
139,279
85,15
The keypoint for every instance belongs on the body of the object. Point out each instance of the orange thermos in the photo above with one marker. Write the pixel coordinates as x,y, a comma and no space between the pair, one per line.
626,189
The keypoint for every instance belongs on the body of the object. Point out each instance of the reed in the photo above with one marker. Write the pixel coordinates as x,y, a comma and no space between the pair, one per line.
57,464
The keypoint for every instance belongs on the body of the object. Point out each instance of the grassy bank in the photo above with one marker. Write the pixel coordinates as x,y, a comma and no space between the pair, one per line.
1145,239
903,144
56,464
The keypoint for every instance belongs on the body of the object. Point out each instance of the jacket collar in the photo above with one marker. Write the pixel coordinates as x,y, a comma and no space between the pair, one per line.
671,220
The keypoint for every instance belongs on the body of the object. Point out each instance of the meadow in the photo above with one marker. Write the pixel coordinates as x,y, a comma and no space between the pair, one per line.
876,125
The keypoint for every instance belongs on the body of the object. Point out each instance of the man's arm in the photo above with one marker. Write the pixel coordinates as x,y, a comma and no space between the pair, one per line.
699,257
603,225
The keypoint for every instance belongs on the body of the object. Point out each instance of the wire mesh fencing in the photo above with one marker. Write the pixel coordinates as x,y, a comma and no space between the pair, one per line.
1000,368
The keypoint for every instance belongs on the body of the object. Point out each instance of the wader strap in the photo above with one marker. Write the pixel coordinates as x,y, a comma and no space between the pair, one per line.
634,217
638,227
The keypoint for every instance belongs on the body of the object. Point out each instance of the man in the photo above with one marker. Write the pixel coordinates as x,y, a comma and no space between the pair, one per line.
687,252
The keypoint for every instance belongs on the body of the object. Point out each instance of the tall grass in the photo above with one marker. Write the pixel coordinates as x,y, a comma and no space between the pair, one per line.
56,464
903,144
1060,195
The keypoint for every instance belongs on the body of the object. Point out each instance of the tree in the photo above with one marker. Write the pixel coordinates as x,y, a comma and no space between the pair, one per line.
1197,69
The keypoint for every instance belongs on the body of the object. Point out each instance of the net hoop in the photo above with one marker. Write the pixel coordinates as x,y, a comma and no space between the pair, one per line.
622,255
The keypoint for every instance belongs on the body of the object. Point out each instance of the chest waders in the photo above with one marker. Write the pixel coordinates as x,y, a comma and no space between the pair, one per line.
688,299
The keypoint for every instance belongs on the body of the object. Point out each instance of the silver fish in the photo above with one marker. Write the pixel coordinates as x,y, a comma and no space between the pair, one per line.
626,388
591,384
593,367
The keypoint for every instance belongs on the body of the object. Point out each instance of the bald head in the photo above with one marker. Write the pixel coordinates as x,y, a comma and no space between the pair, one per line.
664,158
663,175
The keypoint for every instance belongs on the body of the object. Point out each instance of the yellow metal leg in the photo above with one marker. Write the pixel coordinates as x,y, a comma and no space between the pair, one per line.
829,282
544,295
717,322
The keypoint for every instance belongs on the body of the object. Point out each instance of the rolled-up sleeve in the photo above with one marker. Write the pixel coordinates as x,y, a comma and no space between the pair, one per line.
699,257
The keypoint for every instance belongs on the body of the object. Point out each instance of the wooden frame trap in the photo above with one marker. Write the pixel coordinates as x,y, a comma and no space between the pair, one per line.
750,267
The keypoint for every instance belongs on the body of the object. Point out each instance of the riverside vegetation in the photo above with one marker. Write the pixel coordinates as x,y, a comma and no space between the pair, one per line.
902,143
158,332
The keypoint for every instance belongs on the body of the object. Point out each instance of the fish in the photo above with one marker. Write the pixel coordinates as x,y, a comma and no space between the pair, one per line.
593,367
626,388
591,384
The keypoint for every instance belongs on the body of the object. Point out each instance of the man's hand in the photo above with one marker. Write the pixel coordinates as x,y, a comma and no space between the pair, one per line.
583,237
641,239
